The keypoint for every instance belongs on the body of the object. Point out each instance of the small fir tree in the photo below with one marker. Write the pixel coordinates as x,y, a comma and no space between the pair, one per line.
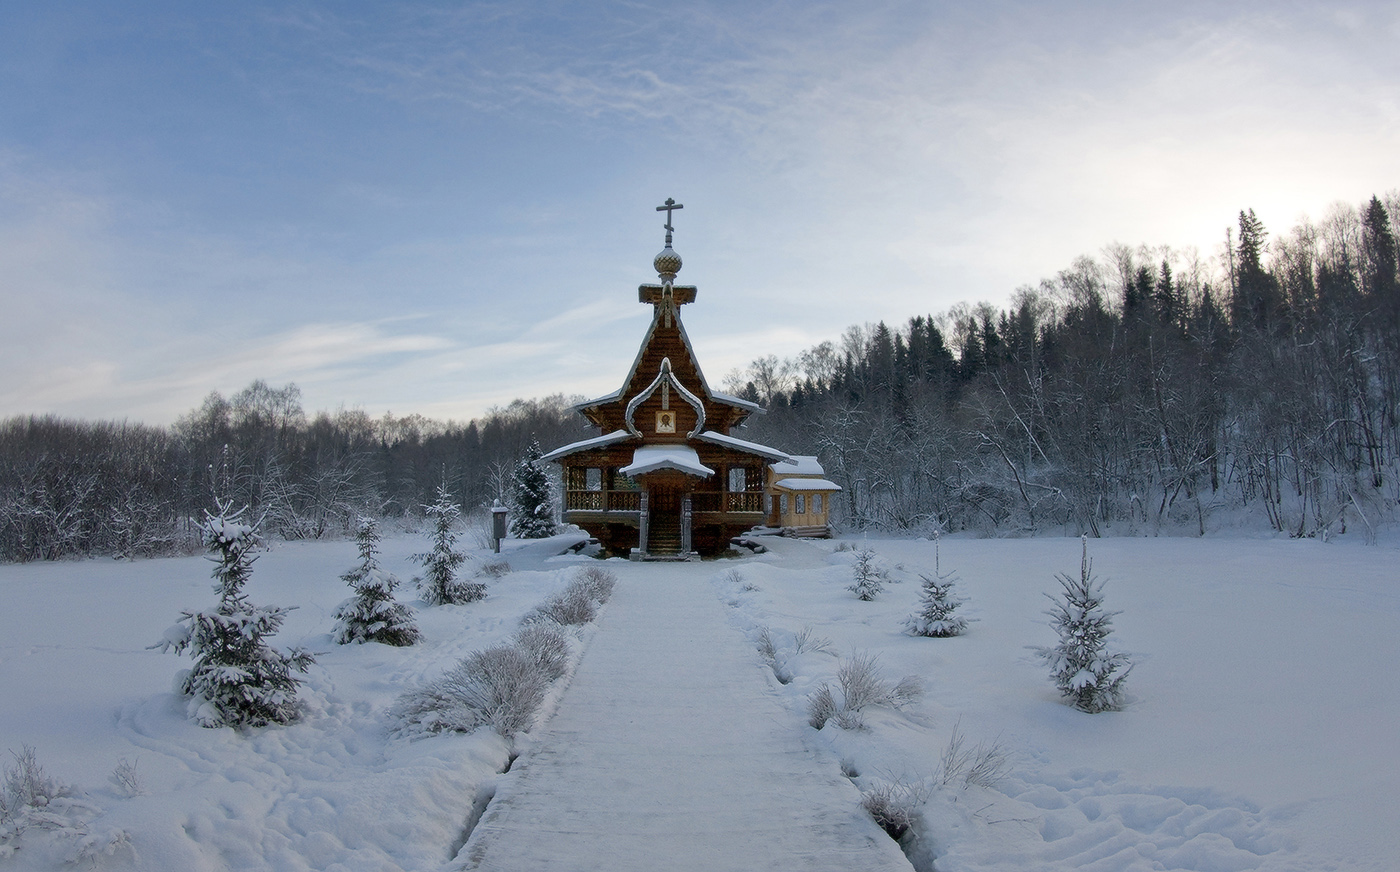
937,603
238,679
372,614
439,584
868,577
1085,672
530,492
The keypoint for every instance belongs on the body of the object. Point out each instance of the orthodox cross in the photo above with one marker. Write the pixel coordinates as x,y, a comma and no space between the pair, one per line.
670,206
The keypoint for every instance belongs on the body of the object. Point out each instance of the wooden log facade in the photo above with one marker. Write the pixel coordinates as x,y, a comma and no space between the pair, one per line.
664,479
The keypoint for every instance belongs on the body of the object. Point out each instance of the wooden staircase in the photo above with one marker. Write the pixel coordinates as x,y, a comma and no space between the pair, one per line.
664,535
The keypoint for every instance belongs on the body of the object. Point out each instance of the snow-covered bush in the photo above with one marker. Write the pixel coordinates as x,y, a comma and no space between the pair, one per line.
372,614
126,779
34,805
777,656
548,644
894,805
531,496
868,577
807,640
440,584
238,679
571,606
599,582
502,687
861,686
937,603
578,602
1086,673
982,765
495,568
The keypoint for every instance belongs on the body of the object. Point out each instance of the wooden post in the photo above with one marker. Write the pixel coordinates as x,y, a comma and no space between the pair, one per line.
498,524
685,524
644,521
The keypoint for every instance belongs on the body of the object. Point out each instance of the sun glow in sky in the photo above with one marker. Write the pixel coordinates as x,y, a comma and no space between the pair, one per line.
438,207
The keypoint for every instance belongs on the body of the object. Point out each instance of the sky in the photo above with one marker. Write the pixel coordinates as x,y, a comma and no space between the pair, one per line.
436,208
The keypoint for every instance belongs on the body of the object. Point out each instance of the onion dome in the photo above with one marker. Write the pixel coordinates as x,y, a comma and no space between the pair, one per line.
667,263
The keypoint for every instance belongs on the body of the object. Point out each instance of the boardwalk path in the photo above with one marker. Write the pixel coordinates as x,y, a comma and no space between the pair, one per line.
669,752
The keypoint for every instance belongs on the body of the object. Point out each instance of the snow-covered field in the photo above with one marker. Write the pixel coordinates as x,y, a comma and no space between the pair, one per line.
1264,731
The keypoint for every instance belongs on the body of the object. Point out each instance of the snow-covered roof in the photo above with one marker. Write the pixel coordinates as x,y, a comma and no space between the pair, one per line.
800,464
729,400
806,484
596,401
584,445
651,458
741,445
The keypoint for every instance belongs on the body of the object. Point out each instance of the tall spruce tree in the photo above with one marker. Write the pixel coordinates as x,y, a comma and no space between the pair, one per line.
238,679
534,504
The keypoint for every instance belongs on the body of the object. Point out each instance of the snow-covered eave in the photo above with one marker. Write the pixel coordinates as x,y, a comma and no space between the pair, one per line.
806,484
654,458
596,401
585,444
745,446
801,466
730,400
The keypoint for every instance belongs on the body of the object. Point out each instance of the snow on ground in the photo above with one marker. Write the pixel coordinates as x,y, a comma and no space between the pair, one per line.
1262,735
1264,729
334,791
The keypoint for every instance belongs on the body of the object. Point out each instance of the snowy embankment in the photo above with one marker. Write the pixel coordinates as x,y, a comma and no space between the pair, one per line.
1262,733
336,790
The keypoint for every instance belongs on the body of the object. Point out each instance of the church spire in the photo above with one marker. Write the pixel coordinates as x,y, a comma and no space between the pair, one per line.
668,263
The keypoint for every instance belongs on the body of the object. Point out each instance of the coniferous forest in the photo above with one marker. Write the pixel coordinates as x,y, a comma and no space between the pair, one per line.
1144,390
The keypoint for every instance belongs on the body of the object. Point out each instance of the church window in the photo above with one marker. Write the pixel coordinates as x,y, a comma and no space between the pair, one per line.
801,504
737,478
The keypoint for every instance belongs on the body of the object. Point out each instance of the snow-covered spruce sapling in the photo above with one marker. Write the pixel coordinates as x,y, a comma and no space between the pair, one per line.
1086,673
937,603
868,576
238,679
372,614
530,492
440,584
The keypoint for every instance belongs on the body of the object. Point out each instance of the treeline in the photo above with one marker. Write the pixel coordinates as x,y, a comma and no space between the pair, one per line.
83,488
1141,390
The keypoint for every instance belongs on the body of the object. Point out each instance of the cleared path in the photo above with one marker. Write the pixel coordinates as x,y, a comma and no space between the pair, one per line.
669,752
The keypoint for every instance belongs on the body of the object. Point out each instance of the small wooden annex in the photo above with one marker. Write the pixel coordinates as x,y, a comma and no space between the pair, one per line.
664,479
799,496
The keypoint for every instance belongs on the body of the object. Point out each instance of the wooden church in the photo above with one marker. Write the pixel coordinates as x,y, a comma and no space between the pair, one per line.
665,480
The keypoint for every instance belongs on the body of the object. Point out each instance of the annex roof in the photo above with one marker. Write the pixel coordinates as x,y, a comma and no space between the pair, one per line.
806,484
799,464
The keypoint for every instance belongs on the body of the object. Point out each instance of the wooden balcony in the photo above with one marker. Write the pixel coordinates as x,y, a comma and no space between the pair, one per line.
602,501
714,501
